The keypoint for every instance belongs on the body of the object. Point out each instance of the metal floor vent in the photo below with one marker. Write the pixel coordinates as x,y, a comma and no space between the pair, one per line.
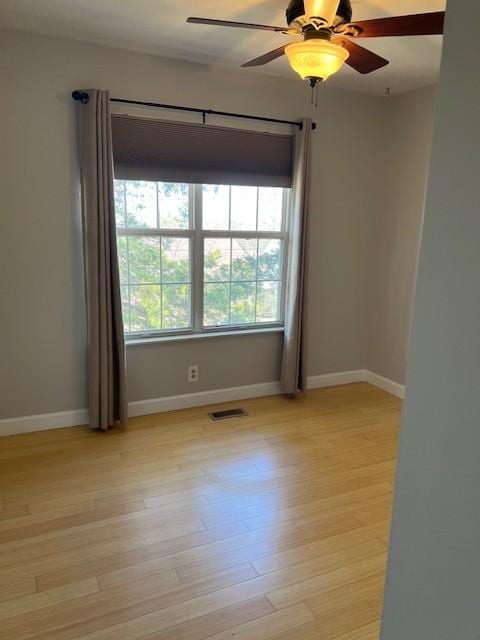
228,415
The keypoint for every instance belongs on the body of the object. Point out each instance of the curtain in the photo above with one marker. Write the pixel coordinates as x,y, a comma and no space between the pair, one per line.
294,368
106,342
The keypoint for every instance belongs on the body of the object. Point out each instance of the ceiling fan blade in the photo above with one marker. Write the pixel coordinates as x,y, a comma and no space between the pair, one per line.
267,57
240,25
361,59
420,24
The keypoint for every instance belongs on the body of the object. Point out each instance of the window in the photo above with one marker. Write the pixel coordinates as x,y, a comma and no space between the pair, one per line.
199,258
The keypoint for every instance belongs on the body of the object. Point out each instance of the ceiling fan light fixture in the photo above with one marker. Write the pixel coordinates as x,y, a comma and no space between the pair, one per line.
316,59
321,10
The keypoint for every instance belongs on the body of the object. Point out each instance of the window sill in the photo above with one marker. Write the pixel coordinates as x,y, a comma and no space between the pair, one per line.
132,342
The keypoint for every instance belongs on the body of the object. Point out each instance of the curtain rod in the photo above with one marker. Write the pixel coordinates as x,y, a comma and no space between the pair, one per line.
83,97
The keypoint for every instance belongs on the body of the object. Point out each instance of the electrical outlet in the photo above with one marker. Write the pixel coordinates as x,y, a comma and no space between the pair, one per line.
194,373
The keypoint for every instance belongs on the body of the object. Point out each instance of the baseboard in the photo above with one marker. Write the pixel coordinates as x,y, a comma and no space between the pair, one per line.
359,375
47,421
394,388
160,405
336,379
43,422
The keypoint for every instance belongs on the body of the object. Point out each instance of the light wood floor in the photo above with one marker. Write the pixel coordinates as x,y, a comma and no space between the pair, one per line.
273,526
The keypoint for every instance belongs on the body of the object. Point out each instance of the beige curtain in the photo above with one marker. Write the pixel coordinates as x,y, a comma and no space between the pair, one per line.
106,342
294,367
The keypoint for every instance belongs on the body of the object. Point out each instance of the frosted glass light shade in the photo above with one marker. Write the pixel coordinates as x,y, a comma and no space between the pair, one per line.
326,9
316,58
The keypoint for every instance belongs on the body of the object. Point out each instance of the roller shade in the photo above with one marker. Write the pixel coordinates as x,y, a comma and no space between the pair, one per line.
146,149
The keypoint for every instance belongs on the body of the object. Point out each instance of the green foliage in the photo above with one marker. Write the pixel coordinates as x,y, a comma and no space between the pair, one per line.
241,275
243,302
159,282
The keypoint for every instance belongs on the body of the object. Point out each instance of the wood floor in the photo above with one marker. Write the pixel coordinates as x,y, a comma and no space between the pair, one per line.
272,526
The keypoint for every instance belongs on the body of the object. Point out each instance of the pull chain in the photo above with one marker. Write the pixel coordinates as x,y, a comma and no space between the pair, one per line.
314,87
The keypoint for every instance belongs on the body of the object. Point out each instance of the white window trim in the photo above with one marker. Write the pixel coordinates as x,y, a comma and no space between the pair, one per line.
197,235
205,335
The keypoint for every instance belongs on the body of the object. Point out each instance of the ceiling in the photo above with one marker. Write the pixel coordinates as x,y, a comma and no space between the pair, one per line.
158,27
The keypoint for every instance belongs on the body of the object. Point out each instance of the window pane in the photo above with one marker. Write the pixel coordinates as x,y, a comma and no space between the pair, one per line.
141,200
242,277
175,306
173,205
244,259
270,209
175,260
122,250
268,301
145,308
269,259
216,207
144,260
244,209
243,302
216,305
217,259
119,199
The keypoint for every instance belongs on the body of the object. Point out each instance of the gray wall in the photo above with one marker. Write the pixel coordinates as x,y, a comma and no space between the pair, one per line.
434,568
397,231
42,336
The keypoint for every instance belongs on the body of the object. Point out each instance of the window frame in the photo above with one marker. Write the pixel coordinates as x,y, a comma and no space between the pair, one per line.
197,236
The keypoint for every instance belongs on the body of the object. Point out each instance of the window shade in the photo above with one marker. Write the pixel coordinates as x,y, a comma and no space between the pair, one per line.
163,151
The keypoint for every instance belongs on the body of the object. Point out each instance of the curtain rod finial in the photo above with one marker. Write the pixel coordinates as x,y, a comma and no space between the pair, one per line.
81,96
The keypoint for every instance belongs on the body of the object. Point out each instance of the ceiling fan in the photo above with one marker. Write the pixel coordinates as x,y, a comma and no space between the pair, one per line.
326,28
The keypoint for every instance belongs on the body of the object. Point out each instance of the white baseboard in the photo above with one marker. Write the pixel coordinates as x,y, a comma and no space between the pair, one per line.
336,379
47,421
384,383
43,422
160,405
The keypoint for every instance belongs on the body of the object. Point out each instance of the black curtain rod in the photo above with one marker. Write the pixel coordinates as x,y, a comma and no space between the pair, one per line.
83,97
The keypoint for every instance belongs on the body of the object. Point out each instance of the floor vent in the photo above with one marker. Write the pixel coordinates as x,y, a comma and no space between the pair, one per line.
228,415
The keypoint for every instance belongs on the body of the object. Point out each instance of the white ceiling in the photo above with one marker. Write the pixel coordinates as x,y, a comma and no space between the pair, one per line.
158,27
